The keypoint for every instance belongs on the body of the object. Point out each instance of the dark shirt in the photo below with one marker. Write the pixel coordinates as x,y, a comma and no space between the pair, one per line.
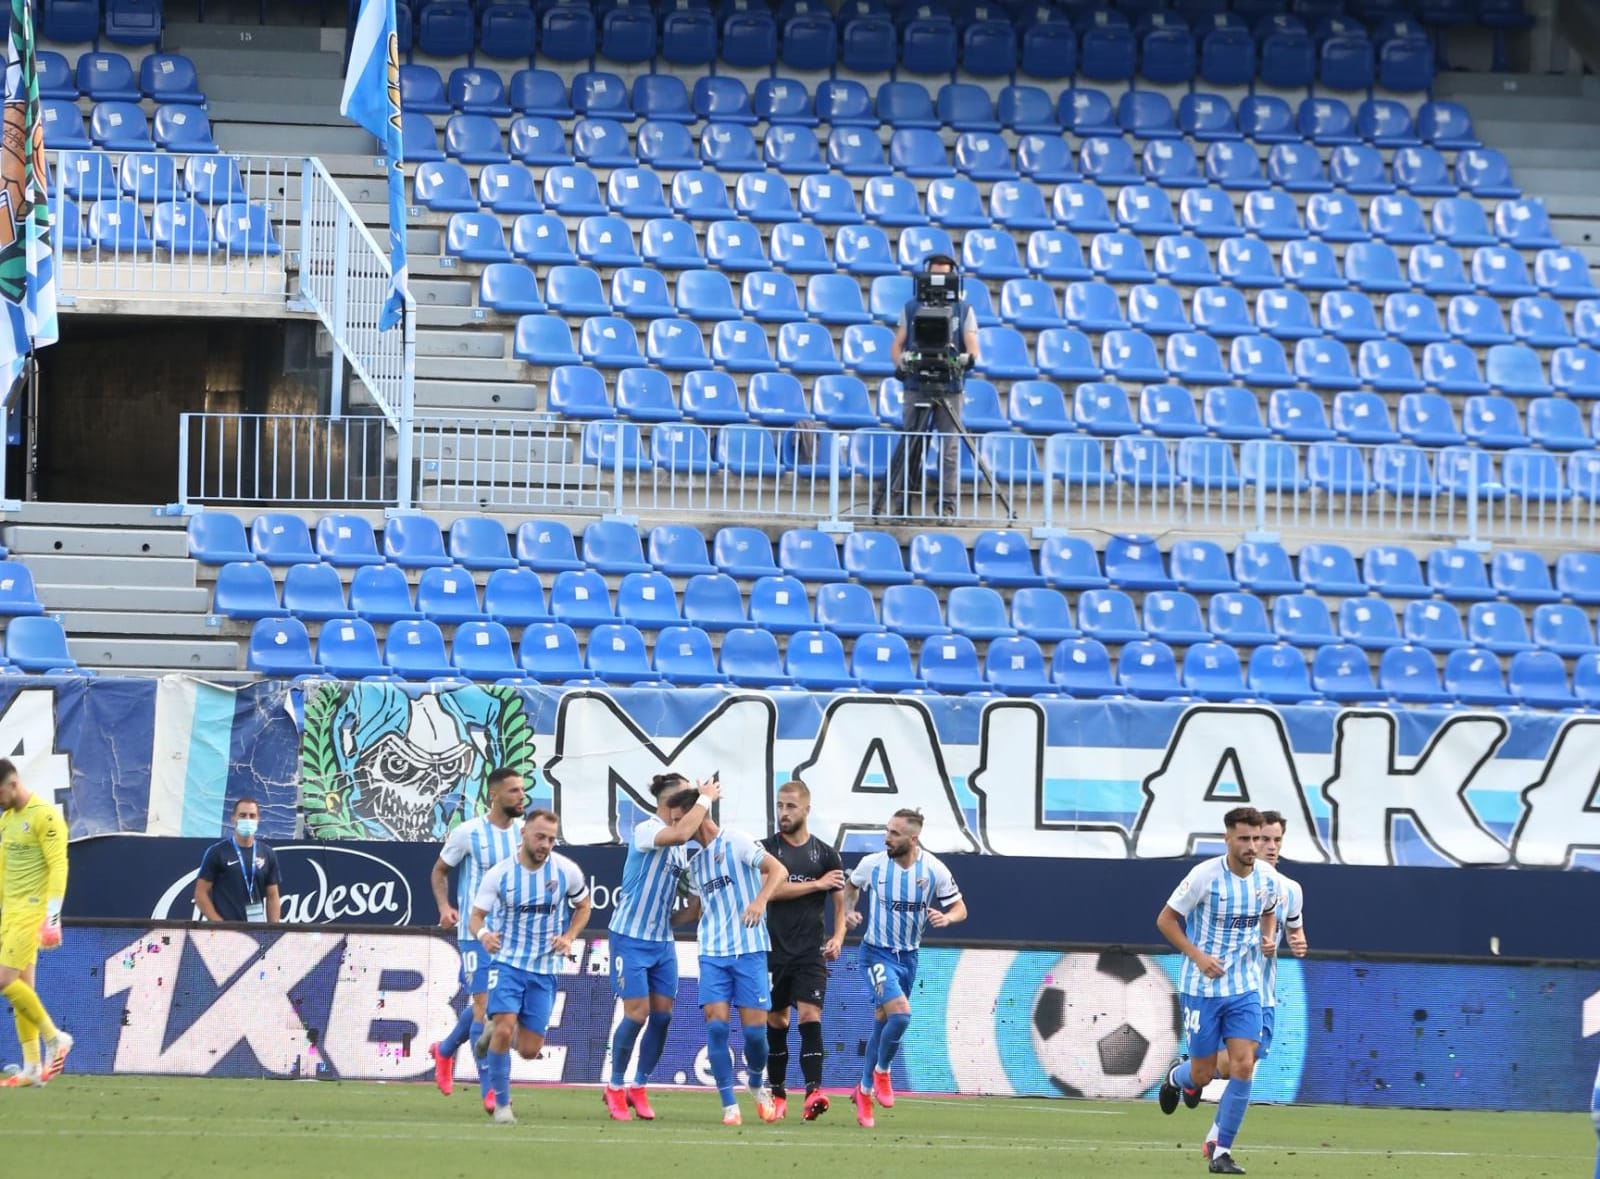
796,927
229,891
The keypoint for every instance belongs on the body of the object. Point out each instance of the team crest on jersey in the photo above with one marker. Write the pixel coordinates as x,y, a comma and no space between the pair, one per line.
549,886
922,884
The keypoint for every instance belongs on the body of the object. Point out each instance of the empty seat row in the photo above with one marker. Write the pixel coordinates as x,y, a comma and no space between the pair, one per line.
123,22
178,226
101,77
617,654
959,106
121,126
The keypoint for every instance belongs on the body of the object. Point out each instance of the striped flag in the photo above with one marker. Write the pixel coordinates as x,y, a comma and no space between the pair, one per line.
372,98
27,261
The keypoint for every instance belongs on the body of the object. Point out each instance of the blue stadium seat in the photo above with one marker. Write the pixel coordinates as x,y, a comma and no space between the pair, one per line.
1296,167
1408,675
778,102
512,597
1232,412
639,292
735,246
1027,110
984,155
1259,361
182,128
1539,680
448,595
1147,114
63,126
549,654
1460,221
1168,411
415,543
940,558
244,590
1452,368
1459,575
1148,670
540,140
1564,629
1340,672
114,126
1046,159
1223,312
445,29
616,654
1535,475
1174,617
1372,266
749,40
1423,171
1108,616
1515,369
544,340
547,546
1493,422
828,200
278,647
580,599
1398,220
482,650
1158,309
1500,271
1362,417
1245,262
506,32
1484,172
843,102
648,601
1498,627
1437,270
444,188
477,91
1473,677
1105,160
1564,273
477,542
1348,316
1540,321
712,602
1303,620
978,612
780,604
1524,224
313,592
1369,623
682,450
956,204
1208,213
684,657
1324,364
1326,121
1556,424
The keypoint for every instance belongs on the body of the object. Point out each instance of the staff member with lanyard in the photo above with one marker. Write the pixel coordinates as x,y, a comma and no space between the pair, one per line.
238,878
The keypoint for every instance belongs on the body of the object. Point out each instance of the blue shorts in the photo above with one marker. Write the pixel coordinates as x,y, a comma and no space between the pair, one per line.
640,968
475,967
740,979
890,973
530,996
1210,1022
1269,1016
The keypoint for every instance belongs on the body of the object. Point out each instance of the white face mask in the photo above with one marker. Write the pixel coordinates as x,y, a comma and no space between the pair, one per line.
245,828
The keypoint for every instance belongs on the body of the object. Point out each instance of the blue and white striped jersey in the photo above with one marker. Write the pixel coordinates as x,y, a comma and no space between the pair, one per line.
1223,914
1289,917
531,909
901,897
650,882
476,846
726,876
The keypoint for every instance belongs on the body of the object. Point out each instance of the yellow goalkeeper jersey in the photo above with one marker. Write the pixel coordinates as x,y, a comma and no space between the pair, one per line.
33,854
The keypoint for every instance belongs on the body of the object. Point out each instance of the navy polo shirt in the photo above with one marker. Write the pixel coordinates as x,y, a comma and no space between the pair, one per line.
228,890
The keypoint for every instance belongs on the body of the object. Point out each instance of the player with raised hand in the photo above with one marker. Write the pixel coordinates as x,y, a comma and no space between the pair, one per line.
906,885
801,947
644,958
33,884
1214,918
474,847
527,913
732,878
1286,916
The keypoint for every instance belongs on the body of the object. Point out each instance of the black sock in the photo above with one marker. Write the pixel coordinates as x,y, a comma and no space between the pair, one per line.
811,1054
777,1058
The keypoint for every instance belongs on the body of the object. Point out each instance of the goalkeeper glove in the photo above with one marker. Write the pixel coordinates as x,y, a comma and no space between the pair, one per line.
50,931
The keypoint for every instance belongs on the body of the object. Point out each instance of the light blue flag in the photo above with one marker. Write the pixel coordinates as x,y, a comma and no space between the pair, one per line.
27,261
372,98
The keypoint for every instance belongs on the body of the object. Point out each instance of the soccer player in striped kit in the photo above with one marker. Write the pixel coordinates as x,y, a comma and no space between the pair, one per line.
1214,918
733,877
474,847
644,958
906,884
527,913
1288,916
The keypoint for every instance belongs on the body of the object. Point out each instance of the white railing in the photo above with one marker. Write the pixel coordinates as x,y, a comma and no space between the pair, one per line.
344,278
228,458
842,479
155,223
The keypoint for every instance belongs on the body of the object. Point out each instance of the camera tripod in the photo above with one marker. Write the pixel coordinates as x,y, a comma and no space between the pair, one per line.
911,454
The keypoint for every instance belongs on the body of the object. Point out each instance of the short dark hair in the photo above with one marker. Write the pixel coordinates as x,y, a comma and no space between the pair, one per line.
910,815
933,260
541,812
684,798
1274,819
796,786
8,769
501,773
664,782
1242,816
245,801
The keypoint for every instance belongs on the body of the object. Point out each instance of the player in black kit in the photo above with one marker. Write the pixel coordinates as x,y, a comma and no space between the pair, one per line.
801,947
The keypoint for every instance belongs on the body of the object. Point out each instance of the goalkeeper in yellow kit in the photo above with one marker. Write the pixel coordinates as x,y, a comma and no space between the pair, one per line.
33,882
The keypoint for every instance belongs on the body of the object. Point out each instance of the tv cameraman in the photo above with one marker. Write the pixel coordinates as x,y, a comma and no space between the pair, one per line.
944,398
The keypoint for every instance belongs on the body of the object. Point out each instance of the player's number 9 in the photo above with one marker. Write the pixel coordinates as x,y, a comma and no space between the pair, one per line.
616,965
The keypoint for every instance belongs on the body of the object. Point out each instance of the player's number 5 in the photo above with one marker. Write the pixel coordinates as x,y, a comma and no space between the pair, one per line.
493,978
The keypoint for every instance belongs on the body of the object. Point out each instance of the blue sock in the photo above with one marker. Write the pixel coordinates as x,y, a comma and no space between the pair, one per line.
485,1081
622,1048
500,1073
755,1054
1230,1112
651,1044
1183,1076
894,1029
451,1044
870,1060
721,1061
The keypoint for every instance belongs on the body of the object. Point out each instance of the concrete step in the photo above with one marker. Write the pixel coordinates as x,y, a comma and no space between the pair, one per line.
449,397
173,654
96,542
1519,134
440,368
481,345
265,139
1459,85
268,89
434,316
440,292
114,623
289,64
143,598
556,447
95,515
190,37
168,573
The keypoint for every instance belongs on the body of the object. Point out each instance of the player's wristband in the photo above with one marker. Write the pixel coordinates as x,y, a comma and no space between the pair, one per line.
705,801
52,911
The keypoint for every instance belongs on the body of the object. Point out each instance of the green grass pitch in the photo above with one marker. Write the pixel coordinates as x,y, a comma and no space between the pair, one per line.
148,1126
